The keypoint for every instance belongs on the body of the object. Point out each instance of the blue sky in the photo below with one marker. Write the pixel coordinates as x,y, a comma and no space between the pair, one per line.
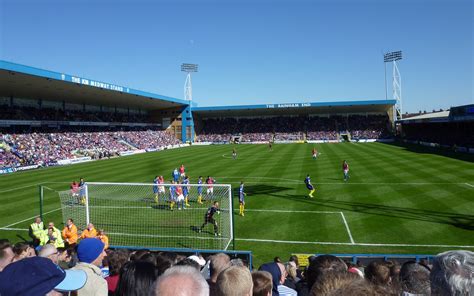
252,52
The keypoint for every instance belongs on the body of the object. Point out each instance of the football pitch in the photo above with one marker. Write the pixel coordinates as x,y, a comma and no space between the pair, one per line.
400,199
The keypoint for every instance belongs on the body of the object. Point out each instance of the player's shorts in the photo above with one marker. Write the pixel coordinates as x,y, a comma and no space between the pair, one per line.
185,192
199,190
161,189
346,172
210,190
155,190
180,197
172,198
310,187
183,174
242,200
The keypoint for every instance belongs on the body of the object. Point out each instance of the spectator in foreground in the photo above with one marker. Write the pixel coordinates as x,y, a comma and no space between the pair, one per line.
49,252
22,250
39,276
181,281
136,278
453,273
117,258
319,266
415,278
90,253
278,272
262,283
234,281
219,262
6,253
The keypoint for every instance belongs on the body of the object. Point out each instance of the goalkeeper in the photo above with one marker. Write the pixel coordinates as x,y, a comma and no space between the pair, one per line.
209,218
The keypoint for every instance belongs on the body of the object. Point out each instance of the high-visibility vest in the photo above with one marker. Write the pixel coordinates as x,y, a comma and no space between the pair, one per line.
37,229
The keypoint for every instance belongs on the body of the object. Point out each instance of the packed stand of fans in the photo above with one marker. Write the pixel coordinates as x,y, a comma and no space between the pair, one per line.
46,148
91,269
285,128
447,133
52,114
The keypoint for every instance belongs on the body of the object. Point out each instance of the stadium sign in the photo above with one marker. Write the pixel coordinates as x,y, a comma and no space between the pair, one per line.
291,105
99,84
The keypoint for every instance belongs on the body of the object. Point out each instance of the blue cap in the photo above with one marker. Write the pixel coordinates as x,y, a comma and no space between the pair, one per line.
38,276
89,249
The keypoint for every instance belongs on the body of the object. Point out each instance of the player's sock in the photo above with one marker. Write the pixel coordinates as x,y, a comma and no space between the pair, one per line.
243,209
186,200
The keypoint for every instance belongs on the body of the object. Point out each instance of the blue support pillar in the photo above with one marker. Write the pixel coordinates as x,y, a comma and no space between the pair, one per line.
187,124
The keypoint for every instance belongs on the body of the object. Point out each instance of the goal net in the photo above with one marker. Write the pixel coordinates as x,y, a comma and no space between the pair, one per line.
149,215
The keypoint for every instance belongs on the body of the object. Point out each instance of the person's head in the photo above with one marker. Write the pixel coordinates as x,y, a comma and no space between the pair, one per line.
291,271
38,220
328,283
181,281
81,179
219,262
69,222
50,252
216,204
39,276
294,259
200,177
262,283
324,264
91,250
117,258
378,273
234,281
189,262
6,253
90,226
101,232
164,261
136,278
51,225
452,273
23,250
277,259
415,278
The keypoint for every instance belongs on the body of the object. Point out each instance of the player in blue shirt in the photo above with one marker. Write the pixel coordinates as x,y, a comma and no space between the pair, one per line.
82,191
175,175
209,218
242,195
199,189
155,188
310,187
186,190
172,195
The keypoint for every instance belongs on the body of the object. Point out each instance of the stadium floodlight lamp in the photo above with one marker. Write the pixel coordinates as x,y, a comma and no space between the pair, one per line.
189,67
392,56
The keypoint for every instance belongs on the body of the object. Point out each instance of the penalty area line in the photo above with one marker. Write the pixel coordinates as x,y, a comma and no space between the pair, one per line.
470,185
16,223
347,228
348,244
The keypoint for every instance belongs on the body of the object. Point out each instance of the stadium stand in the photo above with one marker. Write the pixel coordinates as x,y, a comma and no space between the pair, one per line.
290,128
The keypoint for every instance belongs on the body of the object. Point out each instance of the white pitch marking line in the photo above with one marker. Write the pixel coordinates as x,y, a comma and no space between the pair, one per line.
13,224
347,227
14,229
470,185
349,244
18,188
290,211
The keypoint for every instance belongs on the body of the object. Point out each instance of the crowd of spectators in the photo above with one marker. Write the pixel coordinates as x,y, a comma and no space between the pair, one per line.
47,148
89,269
284,128
444,133
51,114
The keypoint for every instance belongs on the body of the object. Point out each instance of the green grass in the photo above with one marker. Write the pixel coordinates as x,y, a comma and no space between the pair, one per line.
400,199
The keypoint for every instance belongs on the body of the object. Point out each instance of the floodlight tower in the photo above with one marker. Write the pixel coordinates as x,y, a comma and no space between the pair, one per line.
187,133
393,57
188,88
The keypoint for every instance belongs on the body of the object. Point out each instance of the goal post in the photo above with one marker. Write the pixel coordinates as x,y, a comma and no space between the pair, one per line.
148,215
